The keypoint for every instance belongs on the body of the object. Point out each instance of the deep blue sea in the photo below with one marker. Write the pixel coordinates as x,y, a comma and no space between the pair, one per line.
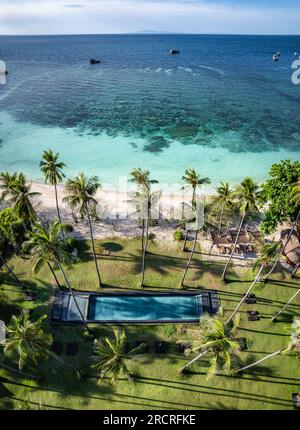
222,105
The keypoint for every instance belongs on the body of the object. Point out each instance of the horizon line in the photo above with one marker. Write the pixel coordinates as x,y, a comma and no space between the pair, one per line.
154,33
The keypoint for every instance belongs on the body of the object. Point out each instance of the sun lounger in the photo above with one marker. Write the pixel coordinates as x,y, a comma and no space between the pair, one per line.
243,343
183,346
253,317
161,347
56,347
72,348
253,313
296,400
250,301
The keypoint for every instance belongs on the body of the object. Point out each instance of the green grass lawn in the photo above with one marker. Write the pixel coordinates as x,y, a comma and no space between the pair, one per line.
158,384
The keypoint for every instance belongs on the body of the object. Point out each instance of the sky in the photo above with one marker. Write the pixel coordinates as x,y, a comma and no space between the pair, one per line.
22,17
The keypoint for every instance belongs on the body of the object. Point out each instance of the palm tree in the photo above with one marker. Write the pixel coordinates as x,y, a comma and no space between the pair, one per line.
17,191
81,192
47,246
7,181
293,345
190,259
192,180
53,172
295,200
274,318
267,254
111,356
44,242
142,179
247,195
205,227
217,339
224,196
29,340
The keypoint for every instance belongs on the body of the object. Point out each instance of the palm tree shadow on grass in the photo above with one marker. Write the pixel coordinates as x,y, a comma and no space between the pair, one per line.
214,391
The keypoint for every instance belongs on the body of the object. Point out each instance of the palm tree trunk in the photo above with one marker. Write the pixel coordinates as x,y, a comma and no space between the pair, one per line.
233,249
143,234
193,198
221,218
72,293
194,360
286,305
93,246
257,277
279,351
11,272
185,240
57,207
144,253
295,271
19,372
56,201
61,361
54,276
190,260
284,248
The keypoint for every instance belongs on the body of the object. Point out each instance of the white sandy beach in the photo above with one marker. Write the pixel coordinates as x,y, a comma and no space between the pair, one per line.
116,212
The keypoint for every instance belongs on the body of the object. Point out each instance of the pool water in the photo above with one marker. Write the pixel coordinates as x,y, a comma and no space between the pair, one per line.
145,308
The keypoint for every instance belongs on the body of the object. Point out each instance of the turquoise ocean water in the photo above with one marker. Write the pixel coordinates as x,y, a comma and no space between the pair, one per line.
221,106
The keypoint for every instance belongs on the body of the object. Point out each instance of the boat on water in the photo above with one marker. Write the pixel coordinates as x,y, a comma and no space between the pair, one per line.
276,56
94,61
174,51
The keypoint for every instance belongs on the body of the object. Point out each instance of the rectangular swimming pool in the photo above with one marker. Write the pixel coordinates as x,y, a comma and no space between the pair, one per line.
135,308
145,308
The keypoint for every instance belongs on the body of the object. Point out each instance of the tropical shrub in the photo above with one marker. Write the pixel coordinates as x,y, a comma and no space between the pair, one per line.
11,226
277,193
178,235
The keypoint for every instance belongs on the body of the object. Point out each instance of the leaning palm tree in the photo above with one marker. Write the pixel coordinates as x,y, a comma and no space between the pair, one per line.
190,259
193,180
267,254
111,356
296,201
247,195
217,338
16,190
224,196
274,318
29,340
292,346
46,245
53,172
145,199
81,195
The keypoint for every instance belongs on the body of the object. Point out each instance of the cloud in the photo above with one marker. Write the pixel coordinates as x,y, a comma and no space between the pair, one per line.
122,16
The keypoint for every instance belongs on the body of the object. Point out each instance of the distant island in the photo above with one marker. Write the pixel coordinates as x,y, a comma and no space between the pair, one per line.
153,32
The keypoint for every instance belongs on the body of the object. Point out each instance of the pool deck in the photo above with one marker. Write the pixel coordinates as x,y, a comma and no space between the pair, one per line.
64,310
